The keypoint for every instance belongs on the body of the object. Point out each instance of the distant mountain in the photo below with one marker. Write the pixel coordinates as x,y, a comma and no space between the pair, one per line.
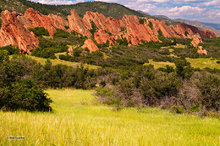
216,26
212,27
162,17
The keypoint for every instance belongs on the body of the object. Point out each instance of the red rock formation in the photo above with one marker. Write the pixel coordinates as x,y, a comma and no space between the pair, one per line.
101,37
135,32
51,22
209,33
196,40
70,50
14,29
90,45
201,51
76,24
14,33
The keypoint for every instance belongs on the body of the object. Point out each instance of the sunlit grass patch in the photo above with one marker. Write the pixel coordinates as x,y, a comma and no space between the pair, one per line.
78,120
68,63
159,64
204,63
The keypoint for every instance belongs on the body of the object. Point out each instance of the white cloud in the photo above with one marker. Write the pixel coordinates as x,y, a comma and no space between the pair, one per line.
56,2
212,2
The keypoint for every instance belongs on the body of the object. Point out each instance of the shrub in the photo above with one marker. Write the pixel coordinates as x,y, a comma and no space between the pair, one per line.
186,33
24,95
218,62
10,49
45,53
142,21
39,31
61,33
150,25
4,56
94,28
183,68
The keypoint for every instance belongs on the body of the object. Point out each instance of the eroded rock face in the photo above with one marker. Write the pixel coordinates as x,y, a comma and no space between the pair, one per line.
90,45
135,32
201,51
13,32
51,22
76,24
107,29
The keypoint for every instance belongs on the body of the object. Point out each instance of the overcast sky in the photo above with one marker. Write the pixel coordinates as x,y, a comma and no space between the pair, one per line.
201,10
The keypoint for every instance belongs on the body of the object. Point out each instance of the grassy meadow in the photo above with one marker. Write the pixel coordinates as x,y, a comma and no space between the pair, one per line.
63,62
197,63
78,119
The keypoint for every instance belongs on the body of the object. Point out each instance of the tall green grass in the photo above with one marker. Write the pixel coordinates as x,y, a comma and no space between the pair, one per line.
79,120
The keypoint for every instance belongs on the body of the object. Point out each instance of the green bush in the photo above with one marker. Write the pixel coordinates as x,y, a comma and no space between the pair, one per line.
39,31
45,53
11,49
24,95
61,33
150,25
4,56
142,21
186,33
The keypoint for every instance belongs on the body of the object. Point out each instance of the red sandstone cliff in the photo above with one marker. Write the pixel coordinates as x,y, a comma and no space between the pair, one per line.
90,45
13,32
51,22
14,29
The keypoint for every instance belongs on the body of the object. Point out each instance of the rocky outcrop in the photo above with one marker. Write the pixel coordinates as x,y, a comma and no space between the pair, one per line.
76,24
51,22
13,32
90,45
14,28
201,51
106,29
136,32
209,33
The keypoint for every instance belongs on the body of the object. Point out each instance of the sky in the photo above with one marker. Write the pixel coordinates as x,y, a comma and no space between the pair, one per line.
196,10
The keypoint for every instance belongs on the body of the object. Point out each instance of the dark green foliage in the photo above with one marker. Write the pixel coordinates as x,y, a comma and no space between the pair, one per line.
39,31
4,56
150,25
123,29
17,91
94,28
11,49
61,33
168,69
48,48
67,27
123,41
147,86
213,47
160,34
209,87
218,62
142,21
186,33
44,53
24,95
183,68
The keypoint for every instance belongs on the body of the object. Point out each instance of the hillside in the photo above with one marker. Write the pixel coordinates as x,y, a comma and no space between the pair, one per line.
212,27
108,9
